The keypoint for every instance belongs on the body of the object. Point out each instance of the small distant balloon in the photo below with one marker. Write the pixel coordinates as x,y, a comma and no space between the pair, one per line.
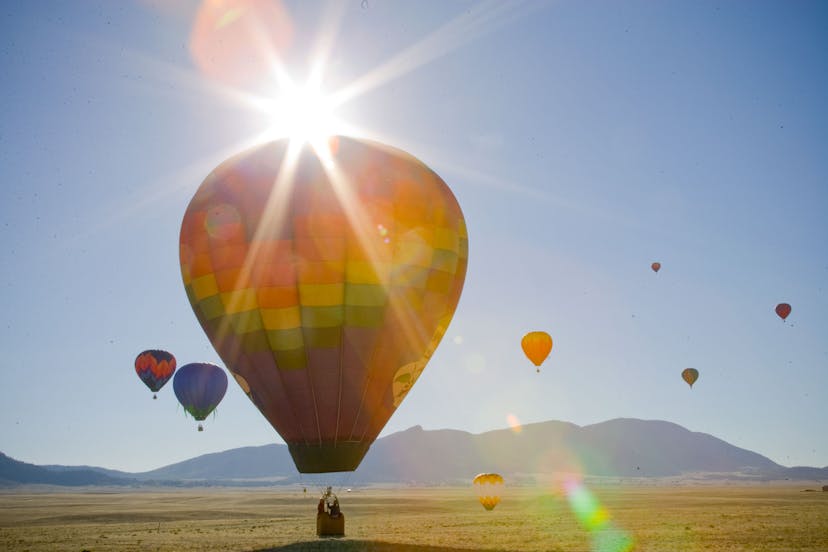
536,346
488,487
783,310
690,375
155,367
199,387
656,267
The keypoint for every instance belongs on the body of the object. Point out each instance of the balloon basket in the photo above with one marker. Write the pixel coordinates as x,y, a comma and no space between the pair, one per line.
327,526
200,427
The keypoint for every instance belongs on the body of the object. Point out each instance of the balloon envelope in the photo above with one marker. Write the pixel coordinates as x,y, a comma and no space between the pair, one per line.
325,289
690,375
656,267
536,346
488,487
199,387
783,310
155,367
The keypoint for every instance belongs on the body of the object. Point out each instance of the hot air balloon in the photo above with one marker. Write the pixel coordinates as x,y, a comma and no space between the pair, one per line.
488,487
536,346
783,310
690,375
199,387
324,287
656,267
155,368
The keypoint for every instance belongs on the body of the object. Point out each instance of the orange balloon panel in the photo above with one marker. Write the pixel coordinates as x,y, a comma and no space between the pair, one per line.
324,289
537,346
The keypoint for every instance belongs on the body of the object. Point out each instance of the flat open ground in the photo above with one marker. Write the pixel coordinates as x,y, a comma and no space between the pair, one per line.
755,518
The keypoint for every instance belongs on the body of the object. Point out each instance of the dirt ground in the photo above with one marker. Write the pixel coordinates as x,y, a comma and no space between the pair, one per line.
613,519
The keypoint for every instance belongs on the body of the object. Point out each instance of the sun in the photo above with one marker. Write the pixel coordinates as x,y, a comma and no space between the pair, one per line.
303,114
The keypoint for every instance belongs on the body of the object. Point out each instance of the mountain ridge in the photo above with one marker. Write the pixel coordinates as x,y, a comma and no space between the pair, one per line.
618,448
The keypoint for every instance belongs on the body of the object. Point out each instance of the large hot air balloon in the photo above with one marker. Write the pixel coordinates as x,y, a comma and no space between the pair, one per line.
783,310
199,387
536,346
155,368
488,487
324,287
690,375
656,266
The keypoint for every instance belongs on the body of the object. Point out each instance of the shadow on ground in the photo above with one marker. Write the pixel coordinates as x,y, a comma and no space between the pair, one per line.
370,546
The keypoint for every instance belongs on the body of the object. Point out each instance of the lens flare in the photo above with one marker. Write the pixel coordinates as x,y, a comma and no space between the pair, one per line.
475,363
303,114
589,512
237,41
514,423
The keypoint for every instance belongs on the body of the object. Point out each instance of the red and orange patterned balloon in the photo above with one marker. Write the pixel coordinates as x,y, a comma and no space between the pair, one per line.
155,368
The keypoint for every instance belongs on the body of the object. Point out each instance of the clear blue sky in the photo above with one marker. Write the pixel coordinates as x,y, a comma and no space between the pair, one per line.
582,140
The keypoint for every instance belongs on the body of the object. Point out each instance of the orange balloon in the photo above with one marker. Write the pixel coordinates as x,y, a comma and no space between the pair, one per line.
690,375
324,287
783,310
656,267
536,346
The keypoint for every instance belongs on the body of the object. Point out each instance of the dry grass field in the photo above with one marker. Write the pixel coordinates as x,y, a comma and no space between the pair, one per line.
684,518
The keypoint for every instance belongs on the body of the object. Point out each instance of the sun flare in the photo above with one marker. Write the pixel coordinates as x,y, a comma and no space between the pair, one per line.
304,114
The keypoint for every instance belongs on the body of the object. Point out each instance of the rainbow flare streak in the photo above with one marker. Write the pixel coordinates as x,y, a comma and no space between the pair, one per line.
605,536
